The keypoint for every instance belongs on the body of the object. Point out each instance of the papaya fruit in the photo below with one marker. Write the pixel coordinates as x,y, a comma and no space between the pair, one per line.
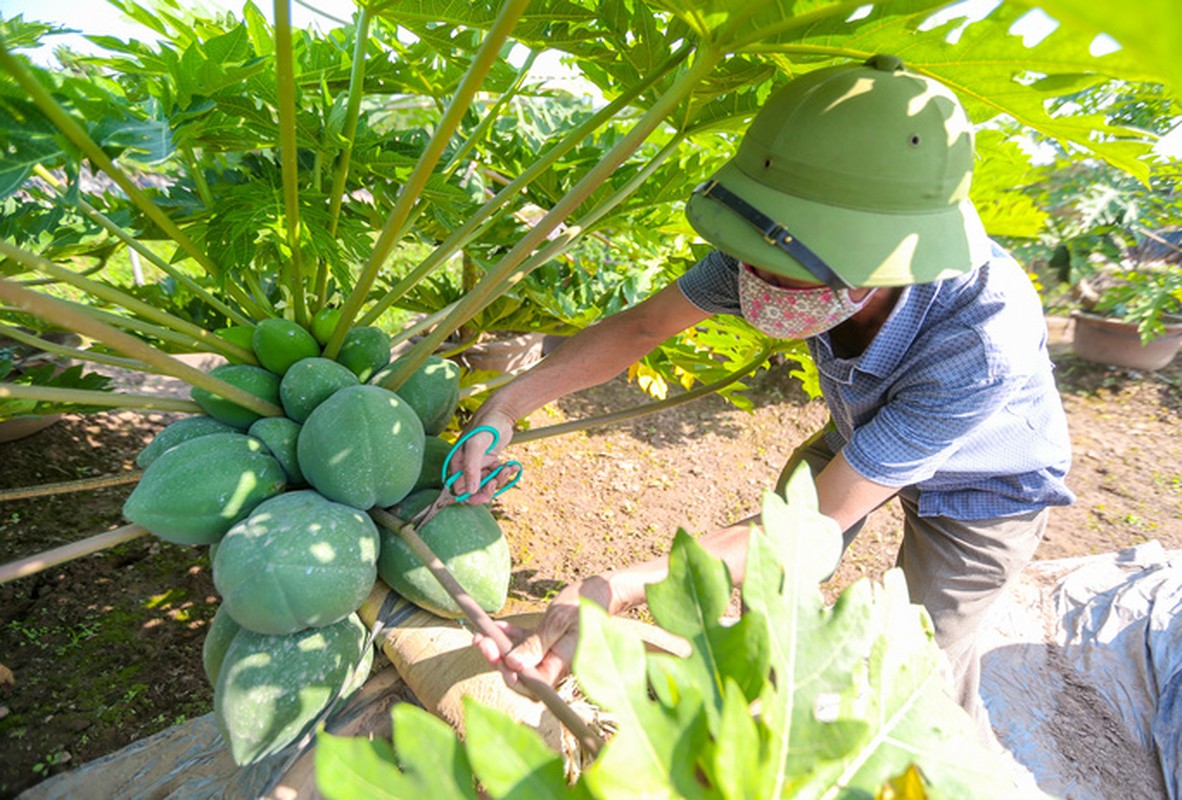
195,492
272,688
363,446
298,561
435,452
433,391
239,335
180,431
278,343
256,380
467,540
365,350
311,381
222,630
280,435
324,322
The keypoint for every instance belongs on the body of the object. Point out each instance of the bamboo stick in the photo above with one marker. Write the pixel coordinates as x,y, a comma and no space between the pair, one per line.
60,555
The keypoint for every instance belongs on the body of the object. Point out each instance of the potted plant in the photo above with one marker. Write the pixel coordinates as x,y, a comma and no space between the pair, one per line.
1132,316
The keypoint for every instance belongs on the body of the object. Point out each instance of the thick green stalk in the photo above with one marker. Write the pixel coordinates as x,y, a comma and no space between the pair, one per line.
16,334
289,157
485,57
112,295
198,177
628,414
74,319
575,231
508,268
125,237
146,328
51,394
352,115
512,191
75,133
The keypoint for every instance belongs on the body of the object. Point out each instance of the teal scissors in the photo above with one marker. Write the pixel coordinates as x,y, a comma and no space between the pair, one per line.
450,478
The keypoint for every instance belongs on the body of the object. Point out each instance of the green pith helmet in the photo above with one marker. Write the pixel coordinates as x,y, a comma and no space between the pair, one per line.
853,175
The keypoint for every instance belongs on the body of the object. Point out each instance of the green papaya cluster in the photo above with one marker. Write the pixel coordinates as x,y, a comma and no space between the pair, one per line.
283,502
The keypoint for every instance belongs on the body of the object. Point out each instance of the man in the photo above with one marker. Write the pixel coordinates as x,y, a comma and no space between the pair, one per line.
844,219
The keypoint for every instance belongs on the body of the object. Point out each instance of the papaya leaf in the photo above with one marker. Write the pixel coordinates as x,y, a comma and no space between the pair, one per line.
354,766
510,759
1148,31
690,603
655,751
431,761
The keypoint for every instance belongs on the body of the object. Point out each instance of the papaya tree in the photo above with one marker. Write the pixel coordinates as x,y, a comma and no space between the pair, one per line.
400,181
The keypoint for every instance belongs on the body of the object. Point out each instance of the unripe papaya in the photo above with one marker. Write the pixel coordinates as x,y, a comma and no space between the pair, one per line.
365,350
195,492
180,431
222,630
311,381
278,343
324,322
435,452
298,561
433,391
239,335
271,689
280,435
256,380
362,447
467,540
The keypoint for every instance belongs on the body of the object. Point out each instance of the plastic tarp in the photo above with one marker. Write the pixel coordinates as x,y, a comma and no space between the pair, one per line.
1082,674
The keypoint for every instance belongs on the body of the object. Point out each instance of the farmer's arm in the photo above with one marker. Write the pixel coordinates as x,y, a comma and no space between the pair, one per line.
591,357
842,493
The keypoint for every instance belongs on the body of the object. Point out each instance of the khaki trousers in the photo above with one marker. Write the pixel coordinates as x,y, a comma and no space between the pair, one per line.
954,568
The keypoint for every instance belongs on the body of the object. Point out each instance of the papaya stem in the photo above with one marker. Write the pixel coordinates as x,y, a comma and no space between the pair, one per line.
113,295
90,397
486,56
63,314
645,409
289,156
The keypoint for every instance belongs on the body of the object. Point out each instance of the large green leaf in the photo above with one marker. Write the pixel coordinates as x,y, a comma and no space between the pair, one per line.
654,752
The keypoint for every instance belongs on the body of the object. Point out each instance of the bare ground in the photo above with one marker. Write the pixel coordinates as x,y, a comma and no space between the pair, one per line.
103,651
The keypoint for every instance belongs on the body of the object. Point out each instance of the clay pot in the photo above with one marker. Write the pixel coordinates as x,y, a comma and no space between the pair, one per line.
16,428
1110,341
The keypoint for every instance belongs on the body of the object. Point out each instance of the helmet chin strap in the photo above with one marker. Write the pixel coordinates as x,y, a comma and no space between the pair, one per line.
773,233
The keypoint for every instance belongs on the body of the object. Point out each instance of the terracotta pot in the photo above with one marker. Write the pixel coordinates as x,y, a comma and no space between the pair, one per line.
1110,341
504,353
15,428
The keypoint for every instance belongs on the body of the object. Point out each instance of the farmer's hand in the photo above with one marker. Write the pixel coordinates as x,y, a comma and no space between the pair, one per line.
551,648
474,462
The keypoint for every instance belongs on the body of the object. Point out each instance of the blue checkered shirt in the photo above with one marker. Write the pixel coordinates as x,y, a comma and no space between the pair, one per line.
954,396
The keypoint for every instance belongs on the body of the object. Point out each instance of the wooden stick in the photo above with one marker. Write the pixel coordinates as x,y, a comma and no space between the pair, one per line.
484,623
60,555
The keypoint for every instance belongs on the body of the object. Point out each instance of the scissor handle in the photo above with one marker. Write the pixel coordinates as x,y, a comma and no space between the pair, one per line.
448,480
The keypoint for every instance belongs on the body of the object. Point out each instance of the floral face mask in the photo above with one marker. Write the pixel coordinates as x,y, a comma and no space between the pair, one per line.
793,313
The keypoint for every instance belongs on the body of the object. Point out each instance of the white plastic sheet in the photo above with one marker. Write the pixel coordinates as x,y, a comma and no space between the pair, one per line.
1082,674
